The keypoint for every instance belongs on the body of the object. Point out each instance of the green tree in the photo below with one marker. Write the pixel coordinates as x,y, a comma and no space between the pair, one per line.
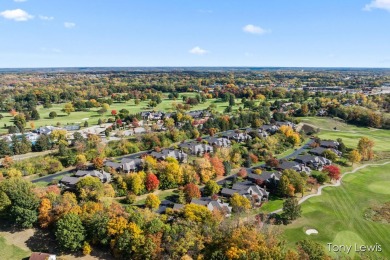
42,144
52,114
23,207
70,232
291,209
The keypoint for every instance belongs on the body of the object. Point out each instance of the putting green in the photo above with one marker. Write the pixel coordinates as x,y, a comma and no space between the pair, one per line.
382,187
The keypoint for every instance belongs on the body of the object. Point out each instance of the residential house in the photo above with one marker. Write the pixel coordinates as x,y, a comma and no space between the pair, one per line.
213,205
102,175
69,182
247,189
219,142
165,153
287,165
126,165
314,162
265,177
285,123
269,128
46,130
320,151
329,144
197,148
238,137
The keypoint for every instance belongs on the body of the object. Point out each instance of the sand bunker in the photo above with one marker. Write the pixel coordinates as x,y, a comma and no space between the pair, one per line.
311,231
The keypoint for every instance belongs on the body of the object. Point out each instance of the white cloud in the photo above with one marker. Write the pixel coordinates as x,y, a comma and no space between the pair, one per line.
18,15
19,1
69,25
378,4
250,28
198,51
46,18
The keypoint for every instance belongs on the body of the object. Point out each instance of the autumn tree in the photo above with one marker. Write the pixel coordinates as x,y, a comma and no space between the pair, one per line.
152,201
272,162
98,162
365,148
70,232
90,188
242,173
354,157
151,182
45,217
197,213
217,163
211,188
308,249
239,203
191,191
7,162
204,168
333,172
68,108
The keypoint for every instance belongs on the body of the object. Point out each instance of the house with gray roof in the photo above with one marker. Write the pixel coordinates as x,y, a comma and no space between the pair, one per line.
69,182
247,189
269,128
197,148
213,205
237,136
320,151
218,141
329,144
312,161
265,177
102,175
287,165
165,153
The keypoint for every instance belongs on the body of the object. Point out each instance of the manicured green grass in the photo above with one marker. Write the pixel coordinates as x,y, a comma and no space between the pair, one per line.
272,205
11,252
349,133
338,214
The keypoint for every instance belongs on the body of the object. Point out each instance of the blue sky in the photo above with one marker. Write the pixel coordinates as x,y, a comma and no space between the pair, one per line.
310,33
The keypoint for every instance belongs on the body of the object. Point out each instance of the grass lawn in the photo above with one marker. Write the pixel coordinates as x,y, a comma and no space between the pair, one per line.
162,195
349,133
11,252
338,214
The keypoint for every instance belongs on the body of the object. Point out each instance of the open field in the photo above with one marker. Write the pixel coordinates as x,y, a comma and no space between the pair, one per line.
349,133
11,252
338,214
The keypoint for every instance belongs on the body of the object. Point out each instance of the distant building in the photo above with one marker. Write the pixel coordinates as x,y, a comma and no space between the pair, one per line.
219,142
